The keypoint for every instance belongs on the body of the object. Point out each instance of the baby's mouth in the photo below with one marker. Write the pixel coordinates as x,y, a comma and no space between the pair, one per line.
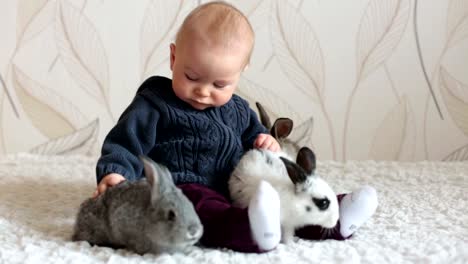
198,104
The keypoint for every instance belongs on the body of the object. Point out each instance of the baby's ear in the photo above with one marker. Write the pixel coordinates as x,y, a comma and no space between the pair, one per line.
172,47
246,67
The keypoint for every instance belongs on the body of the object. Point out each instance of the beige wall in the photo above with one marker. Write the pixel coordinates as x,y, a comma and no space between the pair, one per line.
363,70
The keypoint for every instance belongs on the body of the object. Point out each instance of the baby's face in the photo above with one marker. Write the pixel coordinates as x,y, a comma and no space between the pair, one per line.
204,76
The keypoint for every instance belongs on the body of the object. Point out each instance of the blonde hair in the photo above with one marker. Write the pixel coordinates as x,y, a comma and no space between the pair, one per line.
218,23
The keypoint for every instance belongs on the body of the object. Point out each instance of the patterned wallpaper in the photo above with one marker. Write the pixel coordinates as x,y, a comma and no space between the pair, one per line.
362,79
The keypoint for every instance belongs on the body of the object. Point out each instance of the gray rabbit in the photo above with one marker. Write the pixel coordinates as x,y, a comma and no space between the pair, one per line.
148,216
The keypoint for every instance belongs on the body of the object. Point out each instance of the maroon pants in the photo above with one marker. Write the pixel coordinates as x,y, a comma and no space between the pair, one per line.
226,226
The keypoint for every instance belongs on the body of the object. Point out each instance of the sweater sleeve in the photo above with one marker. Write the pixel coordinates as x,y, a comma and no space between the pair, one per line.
133,135
254,127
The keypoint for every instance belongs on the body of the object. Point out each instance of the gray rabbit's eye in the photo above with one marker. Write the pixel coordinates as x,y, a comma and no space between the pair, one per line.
171,216
322,204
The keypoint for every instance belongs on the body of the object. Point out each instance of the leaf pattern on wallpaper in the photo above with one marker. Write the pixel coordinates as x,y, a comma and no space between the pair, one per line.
298,50
410,135
256,10
50,113
82,52
457,21
459,154
27,11
302,133
455,95
254,92
390,135
78,142
2,128
30,20
277,107
381,28
161,20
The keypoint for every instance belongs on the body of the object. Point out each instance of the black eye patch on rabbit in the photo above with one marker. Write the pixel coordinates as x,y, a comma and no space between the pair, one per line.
305,199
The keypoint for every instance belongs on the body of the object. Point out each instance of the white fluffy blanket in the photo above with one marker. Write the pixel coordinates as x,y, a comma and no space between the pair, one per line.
422,216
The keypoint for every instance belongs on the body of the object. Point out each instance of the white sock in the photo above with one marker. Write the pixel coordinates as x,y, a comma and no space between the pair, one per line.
264,216
356,208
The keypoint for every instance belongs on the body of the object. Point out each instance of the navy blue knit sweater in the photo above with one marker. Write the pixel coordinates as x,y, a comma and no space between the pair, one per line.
197,146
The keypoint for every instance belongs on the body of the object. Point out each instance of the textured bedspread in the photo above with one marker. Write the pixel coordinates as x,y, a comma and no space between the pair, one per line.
422,216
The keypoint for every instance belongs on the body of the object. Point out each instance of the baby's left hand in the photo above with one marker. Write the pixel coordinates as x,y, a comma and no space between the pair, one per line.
266,141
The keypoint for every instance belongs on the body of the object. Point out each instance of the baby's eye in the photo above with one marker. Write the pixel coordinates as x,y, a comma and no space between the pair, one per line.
218,85
191,78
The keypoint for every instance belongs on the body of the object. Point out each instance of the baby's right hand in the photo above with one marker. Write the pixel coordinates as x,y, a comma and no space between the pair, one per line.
108,181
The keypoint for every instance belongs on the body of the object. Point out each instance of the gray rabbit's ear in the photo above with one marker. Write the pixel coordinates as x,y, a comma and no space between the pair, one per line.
295,172
306,159
264,118
150,171
158,177
282,128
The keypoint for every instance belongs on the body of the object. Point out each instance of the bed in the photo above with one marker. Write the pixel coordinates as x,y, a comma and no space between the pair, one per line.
422,216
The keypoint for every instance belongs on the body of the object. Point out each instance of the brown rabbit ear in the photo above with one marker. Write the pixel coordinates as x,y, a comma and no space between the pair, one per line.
306,159
296,173
264,118
282,128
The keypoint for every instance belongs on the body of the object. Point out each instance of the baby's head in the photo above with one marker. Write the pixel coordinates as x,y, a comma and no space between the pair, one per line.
211,50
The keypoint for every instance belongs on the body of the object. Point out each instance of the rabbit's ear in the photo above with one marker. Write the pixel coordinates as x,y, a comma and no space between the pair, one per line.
264,118
158,177
306,159
148,170
282,128
295,172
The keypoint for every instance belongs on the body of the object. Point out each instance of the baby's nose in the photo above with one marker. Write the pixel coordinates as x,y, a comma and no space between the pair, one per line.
202,91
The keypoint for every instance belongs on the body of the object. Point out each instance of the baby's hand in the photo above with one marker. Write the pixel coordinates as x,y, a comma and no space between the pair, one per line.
108,181
266,141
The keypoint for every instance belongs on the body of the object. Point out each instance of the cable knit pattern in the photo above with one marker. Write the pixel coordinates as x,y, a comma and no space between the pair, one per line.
197,146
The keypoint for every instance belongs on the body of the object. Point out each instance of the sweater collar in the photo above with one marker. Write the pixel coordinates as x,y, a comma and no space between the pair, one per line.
161,87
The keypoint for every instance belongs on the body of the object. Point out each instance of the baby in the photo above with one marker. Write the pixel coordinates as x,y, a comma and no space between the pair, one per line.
198,128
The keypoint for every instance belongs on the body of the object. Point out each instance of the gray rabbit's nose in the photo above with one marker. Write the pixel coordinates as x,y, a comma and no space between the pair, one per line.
194,231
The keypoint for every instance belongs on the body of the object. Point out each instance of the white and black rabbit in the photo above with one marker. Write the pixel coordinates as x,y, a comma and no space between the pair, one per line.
148,216
305,199
281,129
